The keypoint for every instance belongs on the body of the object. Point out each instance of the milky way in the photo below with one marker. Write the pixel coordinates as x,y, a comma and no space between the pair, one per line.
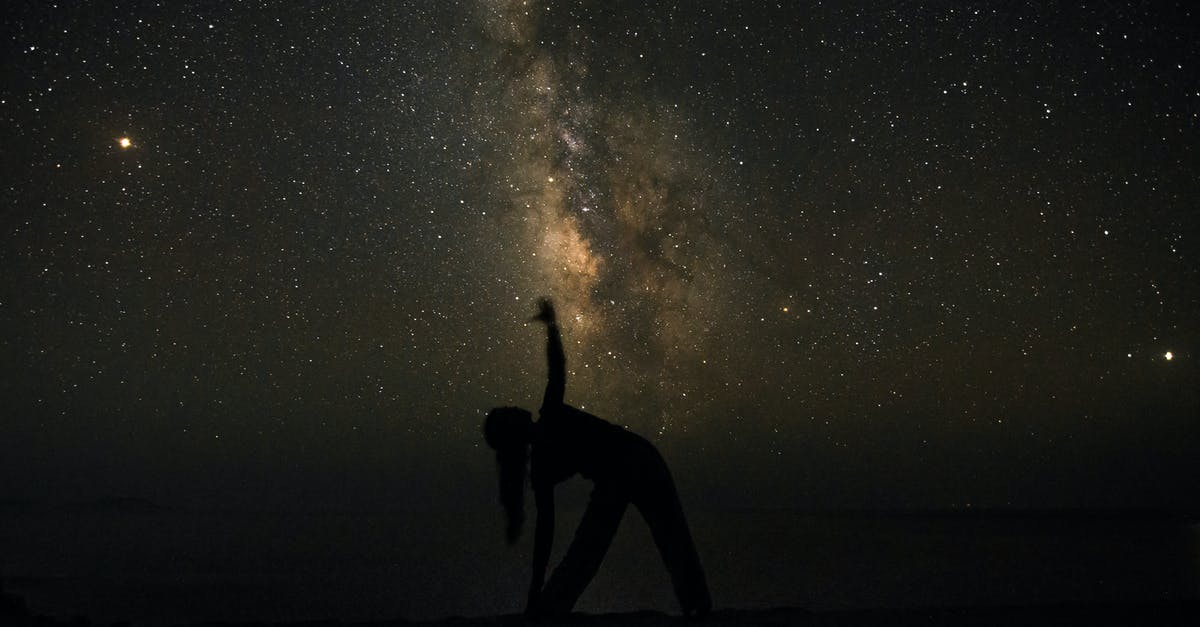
617,215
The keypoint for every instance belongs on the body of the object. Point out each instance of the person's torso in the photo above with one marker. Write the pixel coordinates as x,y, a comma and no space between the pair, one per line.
570,441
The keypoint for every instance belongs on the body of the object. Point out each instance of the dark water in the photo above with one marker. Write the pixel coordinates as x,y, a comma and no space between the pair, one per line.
156,568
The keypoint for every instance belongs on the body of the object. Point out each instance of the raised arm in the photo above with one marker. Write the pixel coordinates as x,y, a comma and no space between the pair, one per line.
543,540
556,360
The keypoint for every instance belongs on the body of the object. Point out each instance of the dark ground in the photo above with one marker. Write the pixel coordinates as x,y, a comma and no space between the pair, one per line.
1146,613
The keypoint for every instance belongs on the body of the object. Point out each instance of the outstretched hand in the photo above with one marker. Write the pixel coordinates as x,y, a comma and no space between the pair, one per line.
545,311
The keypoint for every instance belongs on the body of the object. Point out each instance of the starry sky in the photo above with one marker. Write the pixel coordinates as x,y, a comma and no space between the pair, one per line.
823,254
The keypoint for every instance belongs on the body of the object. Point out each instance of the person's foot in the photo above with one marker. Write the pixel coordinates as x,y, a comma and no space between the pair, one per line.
700,611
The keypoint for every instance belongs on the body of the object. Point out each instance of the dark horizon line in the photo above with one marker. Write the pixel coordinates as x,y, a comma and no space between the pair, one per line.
139,505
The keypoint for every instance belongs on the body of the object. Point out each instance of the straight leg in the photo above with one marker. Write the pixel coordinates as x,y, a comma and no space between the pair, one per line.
661,509
592,539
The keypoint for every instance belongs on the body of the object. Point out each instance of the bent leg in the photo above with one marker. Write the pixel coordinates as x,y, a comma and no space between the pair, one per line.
582,561
664,515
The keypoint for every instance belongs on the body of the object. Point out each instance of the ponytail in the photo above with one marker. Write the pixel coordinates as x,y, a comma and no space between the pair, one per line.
506,430
512,463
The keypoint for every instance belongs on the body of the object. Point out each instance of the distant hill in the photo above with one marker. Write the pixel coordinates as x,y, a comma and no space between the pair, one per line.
108,504
115,505
17,506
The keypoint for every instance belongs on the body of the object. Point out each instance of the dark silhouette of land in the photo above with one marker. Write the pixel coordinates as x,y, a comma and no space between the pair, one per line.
1163,613
102,505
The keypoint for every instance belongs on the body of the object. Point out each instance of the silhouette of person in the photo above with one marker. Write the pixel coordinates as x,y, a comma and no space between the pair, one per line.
624,468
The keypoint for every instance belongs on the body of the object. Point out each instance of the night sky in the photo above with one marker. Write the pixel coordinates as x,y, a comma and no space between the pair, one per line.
823,255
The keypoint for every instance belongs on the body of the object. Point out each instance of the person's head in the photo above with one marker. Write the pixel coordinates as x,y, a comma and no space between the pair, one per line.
509,430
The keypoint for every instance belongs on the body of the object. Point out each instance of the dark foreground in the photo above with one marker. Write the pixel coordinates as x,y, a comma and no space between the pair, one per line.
1147,613
1163,613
